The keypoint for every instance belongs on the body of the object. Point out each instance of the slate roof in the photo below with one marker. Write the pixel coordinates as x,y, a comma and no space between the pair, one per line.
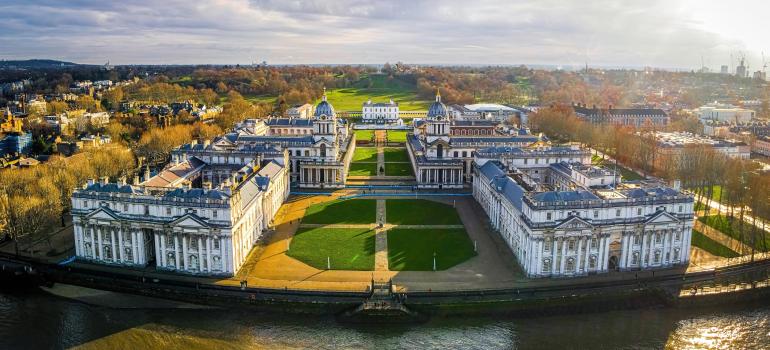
290,122
620,111
564,196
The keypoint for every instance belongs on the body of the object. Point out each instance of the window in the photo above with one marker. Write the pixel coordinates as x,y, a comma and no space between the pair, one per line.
125,207
107,253
637,239
548,244
657,256
548,216
546,265
617,212
464,154
169,242
593,243
571,245
570,265
638,211
171,260
635,259
85,204
146,210
194,243
168,210
214,213
657,237
596,213
455,154
677,236
592,262
216,243
128,255
680,209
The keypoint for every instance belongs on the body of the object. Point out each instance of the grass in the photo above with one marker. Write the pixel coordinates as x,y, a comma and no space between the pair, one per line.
711,246
397,135
352,211
420,212
729,226
364,135
378,88
365,154
396,155
347,249
627,174
362,169
398,169
412,249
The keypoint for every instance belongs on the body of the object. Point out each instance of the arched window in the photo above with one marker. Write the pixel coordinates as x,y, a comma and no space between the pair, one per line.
546,265
657,256
107,253
128,254
570,265
87,247
323,150
193,262
440,151
635,258
217,263
592,262
657,237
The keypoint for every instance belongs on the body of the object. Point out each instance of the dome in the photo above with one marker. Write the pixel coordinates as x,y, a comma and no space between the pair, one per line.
324,107
437,108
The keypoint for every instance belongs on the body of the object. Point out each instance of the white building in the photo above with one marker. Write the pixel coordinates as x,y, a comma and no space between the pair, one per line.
725,113
584,230
198,216
380,113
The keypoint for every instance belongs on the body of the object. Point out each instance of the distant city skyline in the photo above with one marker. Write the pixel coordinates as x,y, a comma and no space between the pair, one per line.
666,34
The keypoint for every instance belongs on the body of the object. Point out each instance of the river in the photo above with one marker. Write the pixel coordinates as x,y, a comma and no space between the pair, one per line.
32,319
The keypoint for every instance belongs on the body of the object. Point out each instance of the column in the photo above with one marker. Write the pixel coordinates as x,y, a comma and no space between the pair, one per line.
665,251
587,256
606,259
563,255
158,255
176,251
163,253
208,253
185,258
554,247
642,253
600,255
135,244
99,249
624,250
78,240
200,253
120,244
577,255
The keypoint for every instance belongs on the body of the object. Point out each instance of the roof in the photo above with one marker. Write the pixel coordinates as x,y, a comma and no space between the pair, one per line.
503,184
112,188
172,175
477,123
564,196
488,107
290,122
646,112
196,193
324,108
649,192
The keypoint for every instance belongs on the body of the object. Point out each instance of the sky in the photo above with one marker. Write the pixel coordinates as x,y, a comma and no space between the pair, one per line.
630,33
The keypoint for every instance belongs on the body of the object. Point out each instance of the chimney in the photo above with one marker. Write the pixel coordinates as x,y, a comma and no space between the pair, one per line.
90,182
194,142
136,180
147,173
122,181
105,180
206,185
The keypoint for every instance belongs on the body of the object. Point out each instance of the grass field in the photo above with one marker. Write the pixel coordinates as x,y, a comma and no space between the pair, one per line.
713,247
378,88
362,169
347,249
352,211
364,135
396,155
420,212
365,154
397,135
729,226
627,174
412,250
398,169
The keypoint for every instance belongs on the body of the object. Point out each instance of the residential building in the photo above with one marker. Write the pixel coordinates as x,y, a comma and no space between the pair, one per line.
15,143
380,113
725,113
636,117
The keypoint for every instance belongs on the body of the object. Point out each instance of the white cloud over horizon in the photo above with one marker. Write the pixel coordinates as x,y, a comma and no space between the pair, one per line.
621,33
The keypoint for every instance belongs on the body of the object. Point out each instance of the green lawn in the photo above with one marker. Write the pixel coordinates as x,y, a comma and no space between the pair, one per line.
365,154
704,242
378,88
351,211
396,155
347,249
397,135
730,227
420,212
398,169
364,135
412,250
627,174
362,169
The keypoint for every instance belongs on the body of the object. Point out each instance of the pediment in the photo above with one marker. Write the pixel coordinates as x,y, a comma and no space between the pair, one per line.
662,217
189,220
102,213
575,223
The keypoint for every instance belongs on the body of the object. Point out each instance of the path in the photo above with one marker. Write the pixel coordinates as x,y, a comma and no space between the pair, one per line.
724,209
381,240
380,160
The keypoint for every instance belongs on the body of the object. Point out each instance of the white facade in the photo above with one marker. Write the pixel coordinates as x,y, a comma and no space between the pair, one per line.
725,113
380,113
574,233
165,223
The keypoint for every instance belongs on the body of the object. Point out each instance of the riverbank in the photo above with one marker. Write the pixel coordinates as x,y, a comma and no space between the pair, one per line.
577,296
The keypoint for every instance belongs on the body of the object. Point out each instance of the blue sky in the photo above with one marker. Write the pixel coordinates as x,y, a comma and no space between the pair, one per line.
628,33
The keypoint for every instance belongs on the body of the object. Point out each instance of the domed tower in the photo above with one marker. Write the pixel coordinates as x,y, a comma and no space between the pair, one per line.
438,117
325,119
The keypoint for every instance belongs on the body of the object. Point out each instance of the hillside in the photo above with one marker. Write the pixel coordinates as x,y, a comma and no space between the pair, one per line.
35,63
378,88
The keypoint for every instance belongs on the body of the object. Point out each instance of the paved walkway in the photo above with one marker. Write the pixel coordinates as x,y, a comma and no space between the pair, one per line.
724,209
380,160
381,240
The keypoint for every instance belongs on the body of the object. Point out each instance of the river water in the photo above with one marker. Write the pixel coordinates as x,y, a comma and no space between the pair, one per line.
32,319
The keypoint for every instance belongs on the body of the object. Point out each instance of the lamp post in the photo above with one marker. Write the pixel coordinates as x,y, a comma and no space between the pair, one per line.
434,261
328,263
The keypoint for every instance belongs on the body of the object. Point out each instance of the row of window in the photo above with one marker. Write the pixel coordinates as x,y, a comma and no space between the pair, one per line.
618,213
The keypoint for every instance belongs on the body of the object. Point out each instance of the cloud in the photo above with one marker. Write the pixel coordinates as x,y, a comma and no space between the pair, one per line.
656,33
